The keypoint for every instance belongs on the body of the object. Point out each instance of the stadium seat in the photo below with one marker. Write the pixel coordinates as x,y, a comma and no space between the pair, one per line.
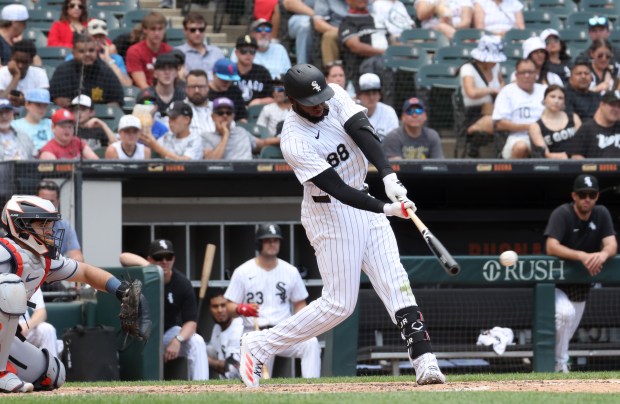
175,36
53,56
439,75
561,8
453,55
405,57
614,38
507,69
468,37
118,10
580,20
114,33
575,37
426,39
49,70
460,131
133,17
574,50
271,152
518,36
109,114
36,35
538,21
254,112
42,19
255,129
608,8
513,52
129,98
48,5
111,21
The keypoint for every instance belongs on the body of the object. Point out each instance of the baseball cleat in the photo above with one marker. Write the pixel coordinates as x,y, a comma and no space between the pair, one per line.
562,368
250,368
10,383
427,370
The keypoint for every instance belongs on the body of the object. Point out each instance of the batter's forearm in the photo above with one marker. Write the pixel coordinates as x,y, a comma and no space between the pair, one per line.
329,182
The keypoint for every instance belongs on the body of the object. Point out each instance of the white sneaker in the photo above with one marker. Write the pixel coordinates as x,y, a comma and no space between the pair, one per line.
561,368
250,368
10,383
427,370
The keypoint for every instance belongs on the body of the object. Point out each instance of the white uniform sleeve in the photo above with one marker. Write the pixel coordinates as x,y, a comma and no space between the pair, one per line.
302,156
344,106
298,291
236,289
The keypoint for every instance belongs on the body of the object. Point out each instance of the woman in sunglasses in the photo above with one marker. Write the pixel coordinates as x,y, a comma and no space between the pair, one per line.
603,70
73,18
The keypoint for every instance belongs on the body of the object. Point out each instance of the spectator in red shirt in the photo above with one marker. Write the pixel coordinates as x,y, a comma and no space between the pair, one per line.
141,57
73,18
65,146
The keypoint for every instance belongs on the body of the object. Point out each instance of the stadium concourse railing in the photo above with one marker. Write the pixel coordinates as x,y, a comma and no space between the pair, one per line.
540,273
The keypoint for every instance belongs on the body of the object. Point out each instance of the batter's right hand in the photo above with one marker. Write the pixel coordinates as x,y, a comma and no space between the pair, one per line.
399,208
247,310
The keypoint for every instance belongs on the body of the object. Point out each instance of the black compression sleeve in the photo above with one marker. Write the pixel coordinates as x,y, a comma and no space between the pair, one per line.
329,181
363,134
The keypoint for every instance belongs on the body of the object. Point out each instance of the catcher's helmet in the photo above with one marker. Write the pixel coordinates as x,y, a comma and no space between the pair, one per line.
267,230
306,84
17,217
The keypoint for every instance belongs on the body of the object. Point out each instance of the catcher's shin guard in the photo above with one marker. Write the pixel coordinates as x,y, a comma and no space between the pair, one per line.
13,300
413,331
37,366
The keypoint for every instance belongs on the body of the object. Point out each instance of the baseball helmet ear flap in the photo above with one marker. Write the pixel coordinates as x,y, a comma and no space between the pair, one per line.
267,230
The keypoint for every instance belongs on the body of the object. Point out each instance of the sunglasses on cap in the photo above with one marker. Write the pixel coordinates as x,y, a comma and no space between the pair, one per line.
263,29
414,111
224,112
597,21
161,257
586,194
194,30
48,185
278,89
245,51
99,26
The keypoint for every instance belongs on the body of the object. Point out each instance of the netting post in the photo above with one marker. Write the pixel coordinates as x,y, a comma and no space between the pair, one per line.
543,335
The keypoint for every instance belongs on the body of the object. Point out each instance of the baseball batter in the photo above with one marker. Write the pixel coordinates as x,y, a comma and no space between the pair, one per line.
264,288
29,256
328,141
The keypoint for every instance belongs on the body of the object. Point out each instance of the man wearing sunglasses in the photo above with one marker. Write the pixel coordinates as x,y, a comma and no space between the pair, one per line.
599,135
413,140
272,55
579,231
199,55
228,141
598,28
255,82
180,309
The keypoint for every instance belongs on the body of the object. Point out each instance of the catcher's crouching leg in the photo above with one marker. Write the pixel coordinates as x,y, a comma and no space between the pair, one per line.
37,366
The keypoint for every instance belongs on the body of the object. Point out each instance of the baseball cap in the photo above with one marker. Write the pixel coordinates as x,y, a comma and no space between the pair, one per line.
597,21
178,108
369,82
160,246
62,115
82,100
258,23
6,104
39,95
146,95
533,44
585,182
547,33
611,96
129,121
226,70
413,102
223,102
14,12
246,40
167,59
97,27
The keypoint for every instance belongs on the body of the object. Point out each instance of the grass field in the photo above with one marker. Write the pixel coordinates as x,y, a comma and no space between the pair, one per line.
595,387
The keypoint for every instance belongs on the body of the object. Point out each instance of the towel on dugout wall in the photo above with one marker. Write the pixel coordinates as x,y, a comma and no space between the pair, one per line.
499,337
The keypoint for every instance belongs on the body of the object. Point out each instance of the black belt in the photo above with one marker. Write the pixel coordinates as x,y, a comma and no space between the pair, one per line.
327,199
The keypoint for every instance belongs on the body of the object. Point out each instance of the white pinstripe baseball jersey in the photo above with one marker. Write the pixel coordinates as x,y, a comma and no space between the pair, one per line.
273,290
311,148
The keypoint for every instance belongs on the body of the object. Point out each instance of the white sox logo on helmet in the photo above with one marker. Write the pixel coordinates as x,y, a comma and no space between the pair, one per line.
316,86
272,229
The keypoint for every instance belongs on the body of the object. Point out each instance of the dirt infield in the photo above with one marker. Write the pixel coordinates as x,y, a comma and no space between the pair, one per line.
549,386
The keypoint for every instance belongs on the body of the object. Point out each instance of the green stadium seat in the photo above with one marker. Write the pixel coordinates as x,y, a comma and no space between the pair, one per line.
36,35
109,114
518,36
114,33
426,39
453,55
175,36
575,37
111,21
254,112
614,38
468,36
405,57
513,52
561,8
256,130
537,20
53,56
133,17
608,8
42,19
48,5
438,75
580,19
271,152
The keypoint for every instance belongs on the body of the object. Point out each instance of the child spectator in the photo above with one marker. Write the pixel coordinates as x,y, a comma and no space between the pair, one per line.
128,148
64,145
34,124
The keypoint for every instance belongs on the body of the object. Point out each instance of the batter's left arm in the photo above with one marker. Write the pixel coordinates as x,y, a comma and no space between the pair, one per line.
363,134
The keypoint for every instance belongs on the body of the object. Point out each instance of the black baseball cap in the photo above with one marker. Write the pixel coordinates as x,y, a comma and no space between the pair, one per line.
178,108
611,97
167,59
146,95
585,182
160,246
246,40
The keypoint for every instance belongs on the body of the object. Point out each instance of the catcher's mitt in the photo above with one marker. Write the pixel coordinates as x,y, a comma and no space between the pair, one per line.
135,315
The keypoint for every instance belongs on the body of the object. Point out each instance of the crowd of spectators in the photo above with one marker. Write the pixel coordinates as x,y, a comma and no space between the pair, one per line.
177,88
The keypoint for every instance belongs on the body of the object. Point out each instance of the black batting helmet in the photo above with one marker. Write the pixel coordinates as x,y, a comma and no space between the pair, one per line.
267,230
306,84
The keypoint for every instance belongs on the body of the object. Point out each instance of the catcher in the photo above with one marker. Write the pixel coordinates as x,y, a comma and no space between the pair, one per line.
29,256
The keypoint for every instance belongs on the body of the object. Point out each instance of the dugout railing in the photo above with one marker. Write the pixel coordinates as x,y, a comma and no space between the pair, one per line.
486,294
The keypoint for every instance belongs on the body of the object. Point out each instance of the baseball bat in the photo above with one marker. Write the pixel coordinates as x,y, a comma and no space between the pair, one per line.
207,266
448,263
265,370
